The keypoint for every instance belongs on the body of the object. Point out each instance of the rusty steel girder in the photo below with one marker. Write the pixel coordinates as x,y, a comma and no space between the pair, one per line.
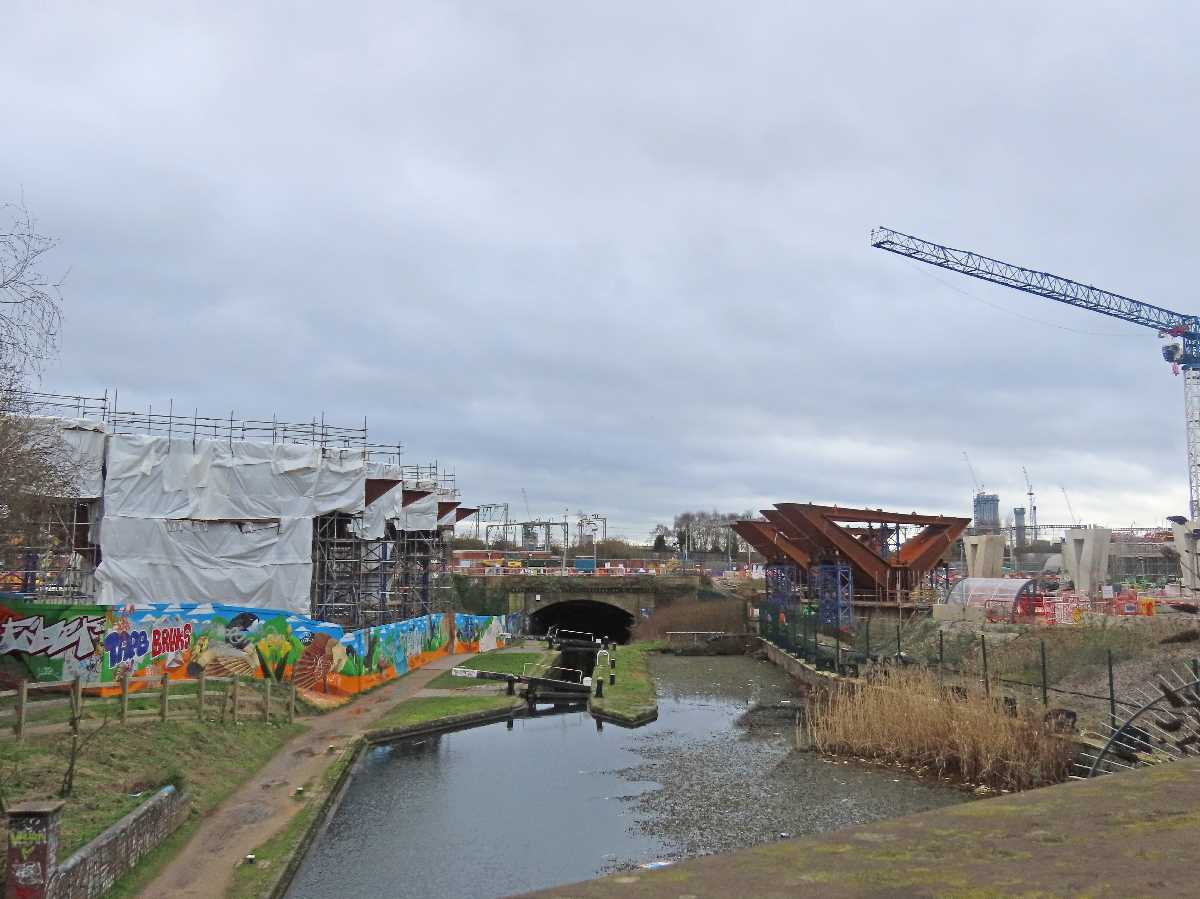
821,533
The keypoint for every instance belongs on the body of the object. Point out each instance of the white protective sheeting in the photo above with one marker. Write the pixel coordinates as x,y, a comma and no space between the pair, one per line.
420,515
83,449
386,508
155,477
451,517
267,565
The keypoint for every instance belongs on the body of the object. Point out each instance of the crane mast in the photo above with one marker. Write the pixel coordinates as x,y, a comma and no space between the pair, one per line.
1183,355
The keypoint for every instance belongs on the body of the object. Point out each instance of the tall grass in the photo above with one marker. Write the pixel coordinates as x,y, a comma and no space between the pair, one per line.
728,615
909,719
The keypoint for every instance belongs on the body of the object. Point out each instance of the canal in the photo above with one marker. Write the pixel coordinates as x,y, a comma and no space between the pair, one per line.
490,812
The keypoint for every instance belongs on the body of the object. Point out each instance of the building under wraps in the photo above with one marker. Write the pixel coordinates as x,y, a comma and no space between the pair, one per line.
310,518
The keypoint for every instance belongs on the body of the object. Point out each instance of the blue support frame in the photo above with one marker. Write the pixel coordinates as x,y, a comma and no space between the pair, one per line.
781,584
833,584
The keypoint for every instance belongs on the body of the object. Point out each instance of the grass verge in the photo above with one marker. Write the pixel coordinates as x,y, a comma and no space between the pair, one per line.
632,697
911,720
498,661
119,763
429,708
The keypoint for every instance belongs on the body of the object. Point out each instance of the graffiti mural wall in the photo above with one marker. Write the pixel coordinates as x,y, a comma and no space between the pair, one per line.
99,643
482,633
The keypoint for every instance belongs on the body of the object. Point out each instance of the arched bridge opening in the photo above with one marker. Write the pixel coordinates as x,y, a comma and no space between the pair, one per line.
588,615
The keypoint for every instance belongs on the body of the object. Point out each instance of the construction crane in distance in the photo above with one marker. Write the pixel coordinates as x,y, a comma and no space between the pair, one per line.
974,477
1183,352
1032,503
1074,520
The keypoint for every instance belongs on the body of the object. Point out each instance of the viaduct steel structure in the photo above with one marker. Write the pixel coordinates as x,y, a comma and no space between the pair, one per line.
892,554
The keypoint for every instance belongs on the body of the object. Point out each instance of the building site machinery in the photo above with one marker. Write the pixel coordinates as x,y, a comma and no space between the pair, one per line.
1182,331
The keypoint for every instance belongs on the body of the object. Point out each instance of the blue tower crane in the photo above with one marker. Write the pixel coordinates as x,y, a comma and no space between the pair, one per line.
1184,354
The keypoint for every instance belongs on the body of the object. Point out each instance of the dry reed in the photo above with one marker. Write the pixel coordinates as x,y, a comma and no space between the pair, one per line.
908,718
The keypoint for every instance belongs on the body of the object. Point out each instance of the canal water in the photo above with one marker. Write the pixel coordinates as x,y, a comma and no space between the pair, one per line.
490,812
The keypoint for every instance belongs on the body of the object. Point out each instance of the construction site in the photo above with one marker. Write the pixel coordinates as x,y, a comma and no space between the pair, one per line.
312,517
856,561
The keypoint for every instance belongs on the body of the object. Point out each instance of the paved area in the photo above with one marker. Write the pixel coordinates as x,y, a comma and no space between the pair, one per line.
1119,836
263,807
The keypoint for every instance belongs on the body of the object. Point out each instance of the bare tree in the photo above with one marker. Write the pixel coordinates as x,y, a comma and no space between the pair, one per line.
37,468
30,300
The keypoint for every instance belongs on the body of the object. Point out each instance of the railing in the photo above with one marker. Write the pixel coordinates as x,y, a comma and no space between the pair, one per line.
796,629
693,638
35,704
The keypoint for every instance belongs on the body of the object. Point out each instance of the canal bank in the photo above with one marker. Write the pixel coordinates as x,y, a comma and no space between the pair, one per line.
449,815
1110,837
265,807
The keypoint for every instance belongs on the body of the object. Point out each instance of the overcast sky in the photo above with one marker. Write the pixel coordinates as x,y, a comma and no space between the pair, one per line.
617,253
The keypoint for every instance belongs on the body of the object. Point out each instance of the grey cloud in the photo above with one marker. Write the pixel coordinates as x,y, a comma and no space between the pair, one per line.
616,254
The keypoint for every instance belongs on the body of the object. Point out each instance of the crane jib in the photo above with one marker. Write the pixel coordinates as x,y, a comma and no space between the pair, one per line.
1043,284
1073,293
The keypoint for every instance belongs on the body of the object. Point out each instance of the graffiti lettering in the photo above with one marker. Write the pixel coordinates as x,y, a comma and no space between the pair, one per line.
29,874
170,639
127,647
33,636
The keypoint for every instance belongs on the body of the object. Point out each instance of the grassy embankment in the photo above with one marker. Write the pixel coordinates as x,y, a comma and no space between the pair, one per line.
632,698
208,761
497,661
910,720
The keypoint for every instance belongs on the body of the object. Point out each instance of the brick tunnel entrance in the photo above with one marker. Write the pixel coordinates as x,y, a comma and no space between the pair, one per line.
599,618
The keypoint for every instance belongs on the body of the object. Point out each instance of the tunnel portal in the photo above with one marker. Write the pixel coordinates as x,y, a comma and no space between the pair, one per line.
588,615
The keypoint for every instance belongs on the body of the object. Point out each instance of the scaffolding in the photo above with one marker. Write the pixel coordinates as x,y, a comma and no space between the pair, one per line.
356,580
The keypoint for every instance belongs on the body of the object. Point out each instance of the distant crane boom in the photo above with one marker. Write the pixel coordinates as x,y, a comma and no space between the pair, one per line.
1052,287
974,477
1074,520
1032,503
1185,355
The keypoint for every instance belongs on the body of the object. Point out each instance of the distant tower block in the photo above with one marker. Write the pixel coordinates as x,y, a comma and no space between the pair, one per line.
985,555
1189,559
1019,525
1085,557
987,513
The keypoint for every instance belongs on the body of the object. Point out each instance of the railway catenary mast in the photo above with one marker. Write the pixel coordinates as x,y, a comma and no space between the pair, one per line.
1184,355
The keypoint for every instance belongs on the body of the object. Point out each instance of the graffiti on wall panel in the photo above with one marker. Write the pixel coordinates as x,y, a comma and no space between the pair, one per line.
101,643
481,633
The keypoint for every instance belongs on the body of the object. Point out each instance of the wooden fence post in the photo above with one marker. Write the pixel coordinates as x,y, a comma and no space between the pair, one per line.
200,697
76,703
165,699
22,699
124,695
291,714
224,702
267,700
237,690
987,686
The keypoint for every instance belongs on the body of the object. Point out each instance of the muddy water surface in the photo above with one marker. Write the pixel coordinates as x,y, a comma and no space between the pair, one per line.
491,811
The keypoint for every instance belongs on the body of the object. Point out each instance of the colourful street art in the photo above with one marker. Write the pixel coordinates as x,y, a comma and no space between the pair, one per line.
482,633
99,644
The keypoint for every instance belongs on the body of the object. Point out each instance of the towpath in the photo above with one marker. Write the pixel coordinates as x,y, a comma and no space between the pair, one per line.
204,868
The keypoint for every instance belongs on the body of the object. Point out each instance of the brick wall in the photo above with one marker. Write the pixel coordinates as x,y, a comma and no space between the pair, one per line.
96,867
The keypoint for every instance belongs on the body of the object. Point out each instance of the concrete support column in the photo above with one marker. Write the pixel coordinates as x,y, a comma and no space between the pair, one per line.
1085,557
32,848
985,555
